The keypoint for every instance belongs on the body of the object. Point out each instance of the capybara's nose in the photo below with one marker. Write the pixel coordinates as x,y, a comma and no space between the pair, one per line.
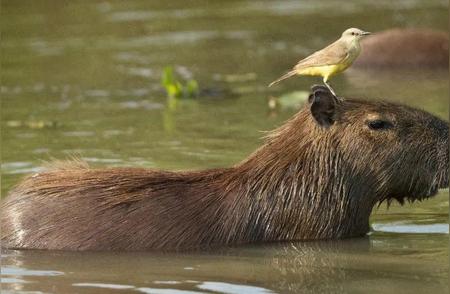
443,130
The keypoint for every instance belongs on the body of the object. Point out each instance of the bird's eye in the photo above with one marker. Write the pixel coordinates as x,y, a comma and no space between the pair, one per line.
353,33
379,125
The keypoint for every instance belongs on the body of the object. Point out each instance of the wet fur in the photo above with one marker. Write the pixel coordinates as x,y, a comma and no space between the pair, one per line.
306,182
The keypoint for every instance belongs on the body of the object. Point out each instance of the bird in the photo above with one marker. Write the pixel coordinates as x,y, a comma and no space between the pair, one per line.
331,60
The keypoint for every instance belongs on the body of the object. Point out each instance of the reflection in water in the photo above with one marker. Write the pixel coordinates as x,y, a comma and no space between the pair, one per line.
302,267
400,227
168,115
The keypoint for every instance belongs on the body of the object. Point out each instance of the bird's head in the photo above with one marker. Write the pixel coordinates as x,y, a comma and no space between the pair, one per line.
354,33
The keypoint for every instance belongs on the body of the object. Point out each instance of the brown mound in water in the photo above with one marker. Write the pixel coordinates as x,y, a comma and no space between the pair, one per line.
405,48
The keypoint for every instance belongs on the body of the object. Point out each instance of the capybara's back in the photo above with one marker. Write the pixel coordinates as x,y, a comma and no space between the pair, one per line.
73,207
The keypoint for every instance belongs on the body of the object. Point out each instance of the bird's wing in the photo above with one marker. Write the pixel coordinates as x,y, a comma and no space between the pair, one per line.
335,53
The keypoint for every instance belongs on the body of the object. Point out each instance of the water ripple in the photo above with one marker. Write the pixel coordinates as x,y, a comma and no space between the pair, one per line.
401,227
14,271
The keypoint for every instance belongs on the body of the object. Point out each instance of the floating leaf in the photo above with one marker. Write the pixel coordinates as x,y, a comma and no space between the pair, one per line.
291,100
32,124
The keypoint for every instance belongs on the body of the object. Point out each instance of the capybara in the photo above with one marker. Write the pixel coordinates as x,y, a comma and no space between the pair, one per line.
405,48
318,176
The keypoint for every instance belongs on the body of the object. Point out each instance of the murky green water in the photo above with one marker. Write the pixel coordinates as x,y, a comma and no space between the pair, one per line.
82,78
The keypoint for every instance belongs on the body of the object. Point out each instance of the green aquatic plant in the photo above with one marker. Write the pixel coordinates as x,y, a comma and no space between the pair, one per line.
175,88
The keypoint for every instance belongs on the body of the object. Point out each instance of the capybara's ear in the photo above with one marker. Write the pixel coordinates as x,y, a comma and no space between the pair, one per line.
323,107
317,87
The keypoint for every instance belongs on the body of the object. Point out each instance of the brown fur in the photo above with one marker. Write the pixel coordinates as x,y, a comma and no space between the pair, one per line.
405,48
306,182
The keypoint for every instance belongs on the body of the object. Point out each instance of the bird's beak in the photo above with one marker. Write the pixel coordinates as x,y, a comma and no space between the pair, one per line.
366,33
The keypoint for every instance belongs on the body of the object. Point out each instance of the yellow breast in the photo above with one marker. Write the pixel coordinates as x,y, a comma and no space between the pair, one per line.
325,71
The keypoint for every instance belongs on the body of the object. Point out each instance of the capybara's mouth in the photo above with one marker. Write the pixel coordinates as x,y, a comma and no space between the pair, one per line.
439,181
444,183
411,198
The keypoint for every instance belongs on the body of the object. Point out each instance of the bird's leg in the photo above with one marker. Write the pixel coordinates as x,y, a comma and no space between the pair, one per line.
329,87
339,99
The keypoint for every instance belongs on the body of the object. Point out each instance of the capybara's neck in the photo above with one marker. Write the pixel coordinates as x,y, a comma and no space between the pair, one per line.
294,188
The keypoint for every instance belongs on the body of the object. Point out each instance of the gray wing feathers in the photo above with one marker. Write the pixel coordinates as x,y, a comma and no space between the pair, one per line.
332,54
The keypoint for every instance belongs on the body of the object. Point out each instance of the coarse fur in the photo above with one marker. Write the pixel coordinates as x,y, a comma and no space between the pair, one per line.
318,176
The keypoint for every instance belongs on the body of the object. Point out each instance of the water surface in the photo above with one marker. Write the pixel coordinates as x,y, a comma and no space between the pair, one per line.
81,78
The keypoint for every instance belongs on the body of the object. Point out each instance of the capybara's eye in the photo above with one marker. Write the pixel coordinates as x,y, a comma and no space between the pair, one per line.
379,124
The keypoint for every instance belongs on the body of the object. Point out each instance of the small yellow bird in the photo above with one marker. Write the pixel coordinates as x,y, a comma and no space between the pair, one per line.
331,60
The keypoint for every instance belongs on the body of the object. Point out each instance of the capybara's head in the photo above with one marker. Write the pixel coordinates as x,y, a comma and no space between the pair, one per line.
397,151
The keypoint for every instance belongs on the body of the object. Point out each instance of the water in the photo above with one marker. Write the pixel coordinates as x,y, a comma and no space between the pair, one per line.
81,78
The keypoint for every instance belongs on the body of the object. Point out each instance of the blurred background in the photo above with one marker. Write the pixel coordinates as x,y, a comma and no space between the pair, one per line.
84,78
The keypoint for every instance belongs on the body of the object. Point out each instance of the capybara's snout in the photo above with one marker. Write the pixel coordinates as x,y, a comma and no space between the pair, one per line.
442,129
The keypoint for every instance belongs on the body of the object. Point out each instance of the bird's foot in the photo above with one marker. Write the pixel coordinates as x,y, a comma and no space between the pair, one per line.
325,88
329,88
339,99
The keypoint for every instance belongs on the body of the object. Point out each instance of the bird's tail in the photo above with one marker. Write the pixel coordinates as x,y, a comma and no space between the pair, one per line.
285,76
